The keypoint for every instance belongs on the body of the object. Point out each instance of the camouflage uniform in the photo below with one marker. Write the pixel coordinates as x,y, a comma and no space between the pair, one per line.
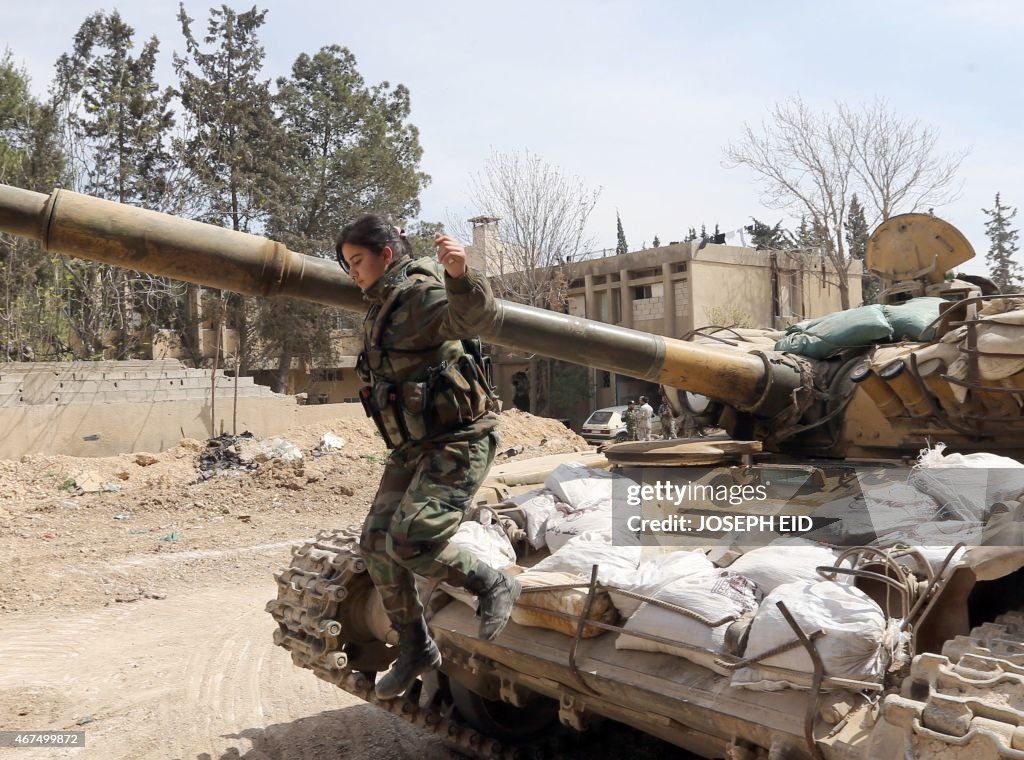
629,417
418,507
668,421
412,335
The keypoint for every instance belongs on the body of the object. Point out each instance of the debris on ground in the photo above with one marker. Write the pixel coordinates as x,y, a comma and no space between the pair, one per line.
328,442
222,453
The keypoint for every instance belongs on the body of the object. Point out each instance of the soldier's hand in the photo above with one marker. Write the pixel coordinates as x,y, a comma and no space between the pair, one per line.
451,254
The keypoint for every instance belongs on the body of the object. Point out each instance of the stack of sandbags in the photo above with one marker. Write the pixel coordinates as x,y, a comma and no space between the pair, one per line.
654,574
573,564
584,497
859,643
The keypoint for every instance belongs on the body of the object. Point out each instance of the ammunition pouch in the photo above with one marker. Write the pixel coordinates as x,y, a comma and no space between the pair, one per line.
455,394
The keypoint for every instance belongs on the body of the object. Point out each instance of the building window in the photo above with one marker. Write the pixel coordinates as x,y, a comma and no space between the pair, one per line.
328,375
679,267
604,378
640,292
577,283
639,274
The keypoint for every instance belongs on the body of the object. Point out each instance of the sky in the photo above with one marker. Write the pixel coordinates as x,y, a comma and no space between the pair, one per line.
635,98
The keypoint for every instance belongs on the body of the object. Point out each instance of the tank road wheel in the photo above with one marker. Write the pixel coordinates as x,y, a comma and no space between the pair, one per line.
366,653
502,721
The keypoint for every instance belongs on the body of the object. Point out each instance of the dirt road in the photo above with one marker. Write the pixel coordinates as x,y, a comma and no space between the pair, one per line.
194,675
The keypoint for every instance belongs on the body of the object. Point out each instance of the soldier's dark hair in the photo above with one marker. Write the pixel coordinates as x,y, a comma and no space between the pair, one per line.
373,232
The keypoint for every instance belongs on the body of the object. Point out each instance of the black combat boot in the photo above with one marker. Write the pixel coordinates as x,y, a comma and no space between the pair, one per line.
417,654
496,593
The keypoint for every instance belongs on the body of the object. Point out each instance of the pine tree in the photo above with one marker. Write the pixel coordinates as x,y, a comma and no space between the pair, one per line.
765,238
1004,271
348,148
124,121
621,246
856,232
656,243
117,123
234,150
690,235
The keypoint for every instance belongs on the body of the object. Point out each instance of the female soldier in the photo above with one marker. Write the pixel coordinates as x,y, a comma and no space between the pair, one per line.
427,391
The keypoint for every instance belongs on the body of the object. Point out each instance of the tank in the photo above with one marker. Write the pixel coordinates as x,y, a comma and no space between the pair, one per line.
868,404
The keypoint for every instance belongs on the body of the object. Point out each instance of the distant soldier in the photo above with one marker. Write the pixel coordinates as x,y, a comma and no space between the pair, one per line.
644,415
668,420
629,417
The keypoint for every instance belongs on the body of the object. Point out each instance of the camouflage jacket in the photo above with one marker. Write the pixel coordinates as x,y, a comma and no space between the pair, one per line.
629,416
416,322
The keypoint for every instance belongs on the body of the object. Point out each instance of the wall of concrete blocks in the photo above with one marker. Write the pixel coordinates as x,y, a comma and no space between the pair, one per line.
104,408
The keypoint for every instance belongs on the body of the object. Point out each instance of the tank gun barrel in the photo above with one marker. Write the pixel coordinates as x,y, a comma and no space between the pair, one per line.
86,227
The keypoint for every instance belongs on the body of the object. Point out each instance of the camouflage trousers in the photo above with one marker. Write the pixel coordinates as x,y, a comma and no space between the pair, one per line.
420,503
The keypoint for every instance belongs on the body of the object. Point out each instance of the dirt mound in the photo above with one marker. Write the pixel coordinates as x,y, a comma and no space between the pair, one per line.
173,476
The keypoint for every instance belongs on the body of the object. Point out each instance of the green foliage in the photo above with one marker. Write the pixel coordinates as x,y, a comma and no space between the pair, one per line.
117,115
857,233
728,316
621,246
117,122
348,149
421,238
766,238
294,162
656,243
31,317
234,149
1003,270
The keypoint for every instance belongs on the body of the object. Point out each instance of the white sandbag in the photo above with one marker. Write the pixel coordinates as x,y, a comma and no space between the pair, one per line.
858,643
580,553
719,597
538,507
654,574
488,543
560,528
771,566
968,483
581,487
881,510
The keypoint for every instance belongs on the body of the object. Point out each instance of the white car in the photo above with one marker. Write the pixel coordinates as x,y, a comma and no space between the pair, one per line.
607,426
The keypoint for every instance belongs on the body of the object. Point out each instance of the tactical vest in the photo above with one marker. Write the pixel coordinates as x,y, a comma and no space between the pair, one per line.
418,395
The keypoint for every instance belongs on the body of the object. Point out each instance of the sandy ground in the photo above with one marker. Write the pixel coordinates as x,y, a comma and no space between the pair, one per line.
135,613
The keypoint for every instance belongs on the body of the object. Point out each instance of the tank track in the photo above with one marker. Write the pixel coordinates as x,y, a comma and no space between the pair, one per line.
968,701
309,611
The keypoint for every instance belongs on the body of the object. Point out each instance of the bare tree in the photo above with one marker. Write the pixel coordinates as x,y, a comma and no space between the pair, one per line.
543,215
812,163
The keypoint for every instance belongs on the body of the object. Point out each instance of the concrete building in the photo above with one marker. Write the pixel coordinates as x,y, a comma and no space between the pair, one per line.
675,288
